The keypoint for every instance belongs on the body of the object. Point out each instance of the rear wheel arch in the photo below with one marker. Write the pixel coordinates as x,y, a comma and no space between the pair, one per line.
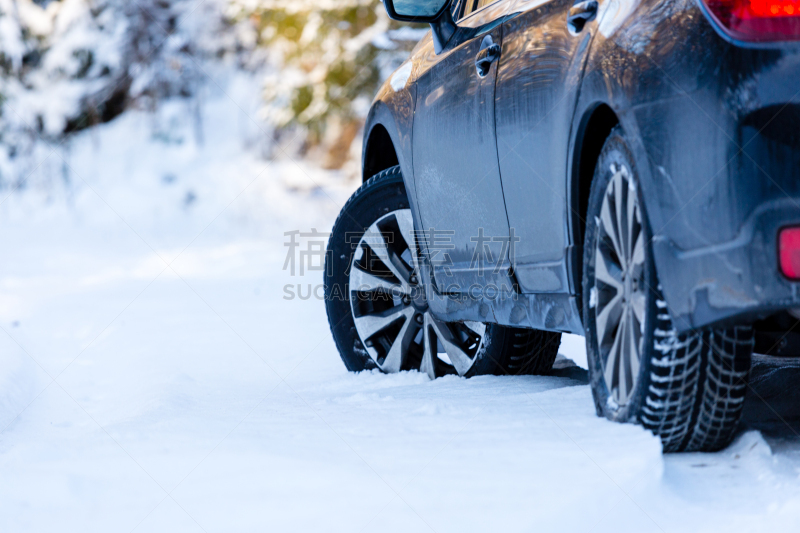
594,129
596,126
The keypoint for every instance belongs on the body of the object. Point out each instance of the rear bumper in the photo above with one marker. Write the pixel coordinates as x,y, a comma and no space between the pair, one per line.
737,281
725,167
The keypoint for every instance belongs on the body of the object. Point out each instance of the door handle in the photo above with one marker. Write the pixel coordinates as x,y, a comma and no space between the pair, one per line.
580,14
489,53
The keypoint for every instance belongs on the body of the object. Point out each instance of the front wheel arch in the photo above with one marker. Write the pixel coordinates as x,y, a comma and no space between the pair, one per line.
380,153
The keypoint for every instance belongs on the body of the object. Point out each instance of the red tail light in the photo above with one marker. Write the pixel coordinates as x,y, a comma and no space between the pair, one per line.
757,20
789,252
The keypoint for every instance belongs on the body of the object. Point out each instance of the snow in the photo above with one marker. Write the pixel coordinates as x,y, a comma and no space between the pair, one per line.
153,378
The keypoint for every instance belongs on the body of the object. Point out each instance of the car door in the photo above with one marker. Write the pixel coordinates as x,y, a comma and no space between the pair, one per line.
459,194
537,87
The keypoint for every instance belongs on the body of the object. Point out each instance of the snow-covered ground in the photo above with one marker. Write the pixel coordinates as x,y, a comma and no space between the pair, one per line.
154,378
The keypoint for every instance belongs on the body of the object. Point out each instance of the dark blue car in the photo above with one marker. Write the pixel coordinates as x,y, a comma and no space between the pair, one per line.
627,170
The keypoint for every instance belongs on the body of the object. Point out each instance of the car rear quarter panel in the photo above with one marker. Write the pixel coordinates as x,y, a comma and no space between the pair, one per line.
684,96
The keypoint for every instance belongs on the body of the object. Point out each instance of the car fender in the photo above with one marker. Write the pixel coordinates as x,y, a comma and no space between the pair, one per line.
393,110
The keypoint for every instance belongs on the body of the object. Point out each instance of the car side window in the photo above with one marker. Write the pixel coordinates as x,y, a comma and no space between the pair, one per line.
470,6
483,3
466,9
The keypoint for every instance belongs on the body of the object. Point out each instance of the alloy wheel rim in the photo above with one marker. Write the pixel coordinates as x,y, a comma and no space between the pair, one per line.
392,318
619,292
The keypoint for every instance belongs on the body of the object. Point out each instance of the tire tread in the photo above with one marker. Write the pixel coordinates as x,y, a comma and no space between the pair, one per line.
697,385
531,352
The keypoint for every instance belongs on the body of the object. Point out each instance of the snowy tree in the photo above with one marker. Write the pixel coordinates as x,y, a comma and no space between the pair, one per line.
328,58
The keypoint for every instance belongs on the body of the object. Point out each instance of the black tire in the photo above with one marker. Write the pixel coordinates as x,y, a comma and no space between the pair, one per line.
530,351
502,351
690,388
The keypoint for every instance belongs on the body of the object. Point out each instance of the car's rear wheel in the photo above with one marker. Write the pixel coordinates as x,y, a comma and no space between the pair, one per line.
376,301
689,388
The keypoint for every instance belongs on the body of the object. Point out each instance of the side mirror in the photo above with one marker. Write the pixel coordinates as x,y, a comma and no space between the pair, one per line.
435,12
416,10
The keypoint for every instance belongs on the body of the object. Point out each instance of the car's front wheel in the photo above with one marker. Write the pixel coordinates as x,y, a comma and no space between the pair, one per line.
376,302
687,388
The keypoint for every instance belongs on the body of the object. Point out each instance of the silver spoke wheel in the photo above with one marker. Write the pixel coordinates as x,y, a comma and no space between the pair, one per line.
390,310
619,292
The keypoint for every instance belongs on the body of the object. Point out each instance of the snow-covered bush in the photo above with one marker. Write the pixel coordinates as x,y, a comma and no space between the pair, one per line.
71,62
67,65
